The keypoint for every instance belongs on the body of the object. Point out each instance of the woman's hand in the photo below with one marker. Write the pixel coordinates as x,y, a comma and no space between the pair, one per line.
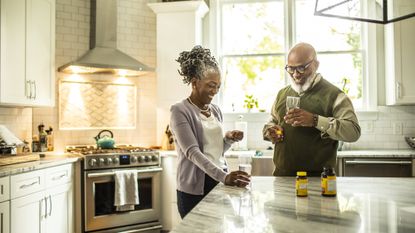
276,134
237,178
235,135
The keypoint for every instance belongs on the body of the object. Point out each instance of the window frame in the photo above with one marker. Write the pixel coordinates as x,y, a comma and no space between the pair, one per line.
369,49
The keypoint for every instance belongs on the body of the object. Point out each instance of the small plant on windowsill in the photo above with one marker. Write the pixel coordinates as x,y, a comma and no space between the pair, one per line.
250,102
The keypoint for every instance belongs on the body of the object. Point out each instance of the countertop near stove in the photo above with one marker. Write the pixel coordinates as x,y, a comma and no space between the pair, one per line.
361,205
49,160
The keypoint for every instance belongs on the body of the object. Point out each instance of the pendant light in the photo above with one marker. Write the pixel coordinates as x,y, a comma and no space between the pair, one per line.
372,11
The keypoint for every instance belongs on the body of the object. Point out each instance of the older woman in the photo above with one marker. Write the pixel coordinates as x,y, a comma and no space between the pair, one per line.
196,124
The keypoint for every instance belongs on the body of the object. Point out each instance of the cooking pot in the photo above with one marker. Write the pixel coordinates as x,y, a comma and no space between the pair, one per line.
105,141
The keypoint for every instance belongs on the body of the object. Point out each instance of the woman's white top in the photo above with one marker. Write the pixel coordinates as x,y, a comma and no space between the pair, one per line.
213,140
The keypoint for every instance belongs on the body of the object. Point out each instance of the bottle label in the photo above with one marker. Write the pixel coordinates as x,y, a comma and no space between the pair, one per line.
331,185
301,187
328,186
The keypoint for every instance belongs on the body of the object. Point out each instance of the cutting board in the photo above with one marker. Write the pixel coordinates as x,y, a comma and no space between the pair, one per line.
21,158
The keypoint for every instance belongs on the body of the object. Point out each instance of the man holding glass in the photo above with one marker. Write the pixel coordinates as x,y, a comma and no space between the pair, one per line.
308,118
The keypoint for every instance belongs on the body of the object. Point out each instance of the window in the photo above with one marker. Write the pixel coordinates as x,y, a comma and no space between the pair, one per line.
255,37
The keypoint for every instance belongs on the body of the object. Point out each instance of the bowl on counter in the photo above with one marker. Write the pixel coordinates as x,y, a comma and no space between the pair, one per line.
411,141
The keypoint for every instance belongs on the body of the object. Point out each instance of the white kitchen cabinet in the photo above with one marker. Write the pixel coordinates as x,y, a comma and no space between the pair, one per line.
399,57
58,219
4,204
170,214
5,217
46,204
28,213
27,75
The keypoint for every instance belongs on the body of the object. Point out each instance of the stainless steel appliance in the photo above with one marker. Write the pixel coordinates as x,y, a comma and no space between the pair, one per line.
97,181
377,167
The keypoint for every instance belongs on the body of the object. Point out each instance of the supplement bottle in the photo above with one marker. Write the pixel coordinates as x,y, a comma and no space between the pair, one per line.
301,184
328,182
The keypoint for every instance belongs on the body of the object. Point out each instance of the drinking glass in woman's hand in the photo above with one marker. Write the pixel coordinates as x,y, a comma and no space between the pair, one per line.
292,102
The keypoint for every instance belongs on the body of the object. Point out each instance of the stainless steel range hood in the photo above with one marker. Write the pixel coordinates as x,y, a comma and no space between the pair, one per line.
104,57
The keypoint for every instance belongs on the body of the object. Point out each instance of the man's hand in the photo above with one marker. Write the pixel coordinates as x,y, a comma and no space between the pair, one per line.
299,117
276,134
235,135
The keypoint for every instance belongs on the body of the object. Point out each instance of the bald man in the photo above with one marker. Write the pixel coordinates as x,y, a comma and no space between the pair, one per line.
306,138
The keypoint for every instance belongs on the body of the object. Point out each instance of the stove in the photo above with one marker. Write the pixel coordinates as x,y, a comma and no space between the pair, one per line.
119,157
98,168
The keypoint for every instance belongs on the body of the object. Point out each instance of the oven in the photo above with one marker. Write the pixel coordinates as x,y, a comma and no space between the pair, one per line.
97,181
100,212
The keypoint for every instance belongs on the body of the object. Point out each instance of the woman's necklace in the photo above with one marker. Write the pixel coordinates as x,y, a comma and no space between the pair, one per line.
203,111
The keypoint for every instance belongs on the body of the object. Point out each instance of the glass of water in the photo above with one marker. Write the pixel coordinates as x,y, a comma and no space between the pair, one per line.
246,166
245,163
292,102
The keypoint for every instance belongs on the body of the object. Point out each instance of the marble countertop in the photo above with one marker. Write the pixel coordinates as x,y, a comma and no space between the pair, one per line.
340,154
49,160
270,205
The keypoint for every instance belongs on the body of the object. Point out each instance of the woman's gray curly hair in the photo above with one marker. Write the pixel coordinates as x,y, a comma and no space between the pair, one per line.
194,63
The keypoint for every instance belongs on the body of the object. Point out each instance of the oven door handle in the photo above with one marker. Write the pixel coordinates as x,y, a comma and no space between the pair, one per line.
93,175
142,230
378,162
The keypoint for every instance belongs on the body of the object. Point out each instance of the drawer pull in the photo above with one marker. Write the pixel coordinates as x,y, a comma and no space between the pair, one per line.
1,190
28,185
46,207
58,177
1,223
383,162
50,206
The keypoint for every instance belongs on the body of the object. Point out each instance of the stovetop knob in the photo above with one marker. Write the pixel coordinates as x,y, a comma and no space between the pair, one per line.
141,158
116,160
147,158
154,158
134,159
101,161
109,161
92,162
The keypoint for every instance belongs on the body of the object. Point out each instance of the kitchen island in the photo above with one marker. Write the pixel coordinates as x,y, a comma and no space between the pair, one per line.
270,205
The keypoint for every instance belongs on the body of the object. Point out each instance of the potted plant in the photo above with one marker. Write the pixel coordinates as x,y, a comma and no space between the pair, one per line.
250,102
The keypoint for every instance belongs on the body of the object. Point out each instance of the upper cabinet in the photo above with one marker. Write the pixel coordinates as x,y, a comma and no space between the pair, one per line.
27,65
399,58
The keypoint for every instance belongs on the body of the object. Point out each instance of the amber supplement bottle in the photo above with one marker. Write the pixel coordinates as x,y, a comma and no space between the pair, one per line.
328,182
301,184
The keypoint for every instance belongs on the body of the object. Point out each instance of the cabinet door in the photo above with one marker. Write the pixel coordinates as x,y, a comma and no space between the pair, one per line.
12,66
40,51
400,54
58,216
28,213
5,217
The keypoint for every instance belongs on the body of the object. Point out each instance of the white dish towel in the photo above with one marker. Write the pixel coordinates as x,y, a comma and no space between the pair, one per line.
126,190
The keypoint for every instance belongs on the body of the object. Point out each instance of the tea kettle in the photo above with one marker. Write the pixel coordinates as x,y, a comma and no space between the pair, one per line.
105,141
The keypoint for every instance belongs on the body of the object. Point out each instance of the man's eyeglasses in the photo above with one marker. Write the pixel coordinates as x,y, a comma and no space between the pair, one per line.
300,69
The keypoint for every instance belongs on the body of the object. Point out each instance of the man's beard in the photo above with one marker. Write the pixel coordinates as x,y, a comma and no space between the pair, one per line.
304,87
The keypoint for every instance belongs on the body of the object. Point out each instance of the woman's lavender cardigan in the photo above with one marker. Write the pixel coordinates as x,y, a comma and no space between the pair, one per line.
188,135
